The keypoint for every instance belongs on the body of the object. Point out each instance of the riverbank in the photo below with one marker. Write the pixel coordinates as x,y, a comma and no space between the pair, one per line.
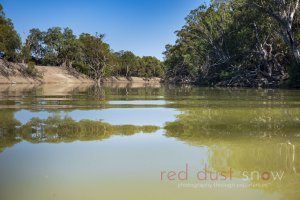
17,73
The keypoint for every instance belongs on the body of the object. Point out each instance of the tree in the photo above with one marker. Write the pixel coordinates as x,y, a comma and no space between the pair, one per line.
283,12
127,62
34,46
8,129
87,54
152,67
257,44
230,44
54,41
54,47
69,51
95,54
201,50
10,41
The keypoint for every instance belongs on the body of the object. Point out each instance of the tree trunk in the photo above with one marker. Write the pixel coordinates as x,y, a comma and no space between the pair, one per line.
289,39
99,81
127,70
285,17
64,64
296,54
70,64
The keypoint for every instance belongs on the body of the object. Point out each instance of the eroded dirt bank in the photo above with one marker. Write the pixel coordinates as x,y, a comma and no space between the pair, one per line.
17,73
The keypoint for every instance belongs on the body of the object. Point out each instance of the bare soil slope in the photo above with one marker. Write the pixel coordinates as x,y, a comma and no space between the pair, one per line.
16,73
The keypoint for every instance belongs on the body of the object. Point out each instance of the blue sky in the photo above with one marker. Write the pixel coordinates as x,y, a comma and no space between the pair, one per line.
142,26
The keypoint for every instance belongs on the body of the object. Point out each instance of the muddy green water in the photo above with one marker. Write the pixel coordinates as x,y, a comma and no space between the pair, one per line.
74,142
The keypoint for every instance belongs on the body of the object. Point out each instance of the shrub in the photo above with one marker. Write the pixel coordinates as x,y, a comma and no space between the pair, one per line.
31,69
81,67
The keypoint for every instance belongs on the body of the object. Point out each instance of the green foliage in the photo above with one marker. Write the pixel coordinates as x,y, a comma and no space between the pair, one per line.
88,54
128,64
25,54
225,41
228,40
81,67
202,44
31,69
66,129
10,41
34,46
152,67
8,129
95,54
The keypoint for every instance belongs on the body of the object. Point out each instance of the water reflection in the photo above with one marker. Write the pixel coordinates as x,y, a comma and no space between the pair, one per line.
246,139
8,132
80,141
157,116
57,129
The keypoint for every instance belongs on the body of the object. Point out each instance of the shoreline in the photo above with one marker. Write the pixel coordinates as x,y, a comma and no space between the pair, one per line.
13,73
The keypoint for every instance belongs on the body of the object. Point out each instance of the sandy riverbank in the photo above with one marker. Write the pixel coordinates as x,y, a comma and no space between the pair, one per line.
13,73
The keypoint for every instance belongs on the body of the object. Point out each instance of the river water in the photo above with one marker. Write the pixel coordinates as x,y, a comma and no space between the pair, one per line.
140,142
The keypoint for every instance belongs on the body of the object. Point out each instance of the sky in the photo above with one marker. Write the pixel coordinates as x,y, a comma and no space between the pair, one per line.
141,26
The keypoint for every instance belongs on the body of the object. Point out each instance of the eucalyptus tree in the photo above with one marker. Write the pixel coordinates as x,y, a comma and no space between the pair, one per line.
236,41
152,67
95,55
34,46
53,40
127,63
283,12
70,51
10,41
202,45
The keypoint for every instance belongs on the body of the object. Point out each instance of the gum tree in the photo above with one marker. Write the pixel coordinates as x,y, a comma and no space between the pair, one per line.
9,39
95,54
283,12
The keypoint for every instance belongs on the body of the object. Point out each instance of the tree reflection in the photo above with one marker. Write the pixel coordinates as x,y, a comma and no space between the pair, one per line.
57,129
246,139
8,129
